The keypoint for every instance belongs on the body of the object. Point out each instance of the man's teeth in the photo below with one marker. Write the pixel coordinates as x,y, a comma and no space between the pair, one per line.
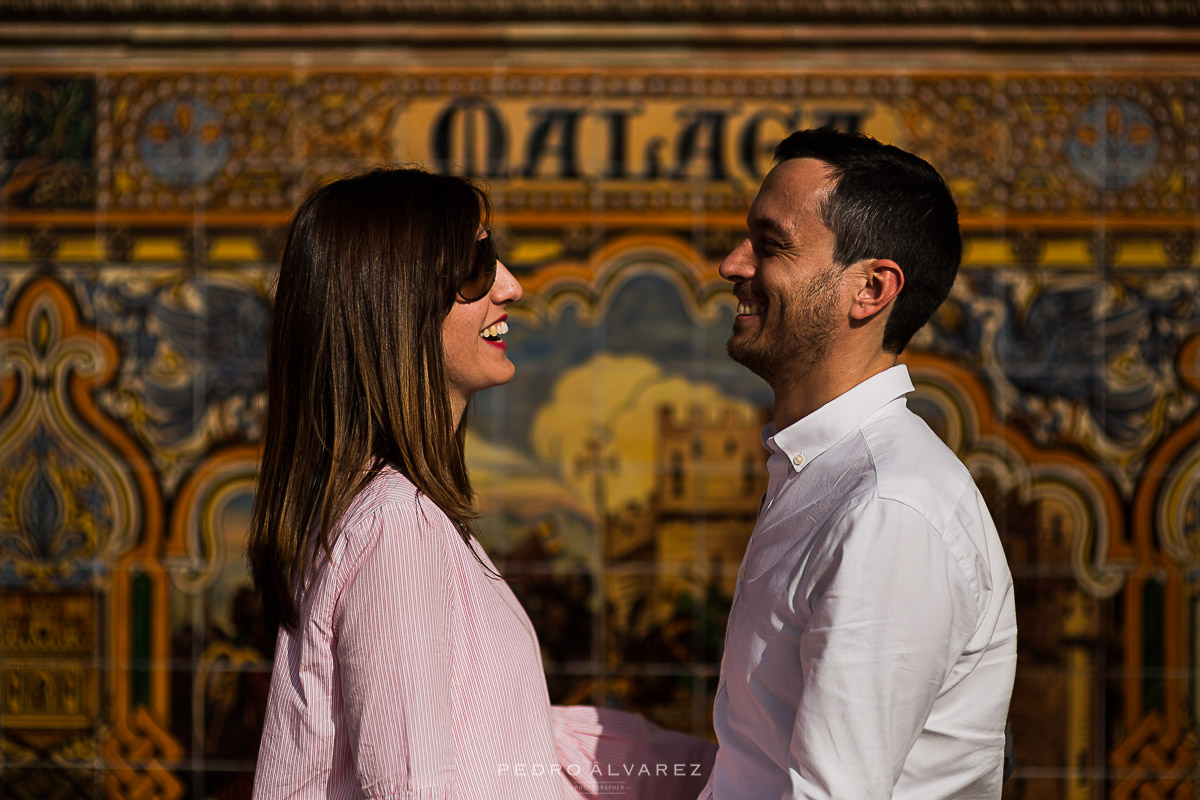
749,309
495,331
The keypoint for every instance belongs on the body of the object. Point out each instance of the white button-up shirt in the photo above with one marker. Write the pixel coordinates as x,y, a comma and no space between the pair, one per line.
871,645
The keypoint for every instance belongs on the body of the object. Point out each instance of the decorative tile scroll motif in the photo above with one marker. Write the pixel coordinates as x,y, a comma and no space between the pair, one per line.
1175,475
1159,745
193,375
193,551
227,675
82,516
68,505
1078,361
1072,490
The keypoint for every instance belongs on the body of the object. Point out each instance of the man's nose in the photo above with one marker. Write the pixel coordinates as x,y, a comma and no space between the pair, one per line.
739,264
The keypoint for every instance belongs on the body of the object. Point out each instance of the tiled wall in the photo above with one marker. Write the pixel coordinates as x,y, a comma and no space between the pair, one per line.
141,210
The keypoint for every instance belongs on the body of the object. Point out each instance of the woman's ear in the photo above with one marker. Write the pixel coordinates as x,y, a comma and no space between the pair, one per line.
882,279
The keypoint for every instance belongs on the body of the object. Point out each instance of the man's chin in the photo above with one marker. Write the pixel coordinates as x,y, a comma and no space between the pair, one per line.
745,351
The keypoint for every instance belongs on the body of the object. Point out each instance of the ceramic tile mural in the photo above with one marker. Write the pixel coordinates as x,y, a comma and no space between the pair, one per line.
141,211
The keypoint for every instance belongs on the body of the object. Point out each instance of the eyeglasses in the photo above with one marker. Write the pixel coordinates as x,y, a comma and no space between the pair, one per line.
483,273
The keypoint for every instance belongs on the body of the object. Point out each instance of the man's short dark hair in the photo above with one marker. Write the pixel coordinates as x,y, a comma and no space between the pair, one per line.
887,203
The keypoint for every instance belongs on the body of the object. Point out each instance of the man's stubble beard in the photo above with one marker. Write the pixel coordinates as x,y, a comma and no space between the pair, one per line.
796,334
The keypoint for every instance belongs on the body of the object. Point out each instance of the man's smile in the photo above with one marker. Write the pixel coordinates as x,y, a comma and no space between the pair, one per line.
749,308
748,305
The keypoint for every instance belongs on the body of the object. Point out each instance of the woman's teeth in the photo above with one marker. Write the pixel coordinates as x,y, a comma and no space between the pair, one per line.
495,331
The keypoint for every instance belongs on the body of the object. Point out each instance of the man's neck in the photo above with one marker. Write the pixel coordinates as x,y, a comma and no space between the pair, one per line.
803,393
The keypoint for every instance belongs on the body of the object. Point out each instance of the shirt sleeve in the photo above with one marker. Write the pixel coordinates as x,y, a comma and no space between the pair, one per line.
890,611
392,639
616,755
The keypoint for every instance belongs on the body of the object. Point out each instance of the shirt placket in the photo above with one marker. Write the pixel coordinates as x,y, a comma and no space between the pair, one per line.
777,473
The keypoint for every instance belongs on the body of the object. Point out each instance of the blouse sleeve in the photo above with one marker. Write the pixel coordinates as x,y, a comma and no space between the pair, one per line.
391,631
610,755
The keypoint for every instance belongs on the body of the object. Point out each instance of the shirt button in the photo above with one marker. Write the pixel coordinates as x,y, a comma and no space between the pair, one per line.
797,460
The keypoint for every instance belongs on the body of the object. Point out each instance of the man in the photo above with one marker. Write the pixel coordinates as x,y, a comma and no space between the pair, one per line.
872,641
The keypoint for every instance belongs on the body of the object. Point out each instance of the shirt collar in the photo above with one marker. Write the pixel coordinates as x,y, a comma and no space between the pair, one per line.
807,438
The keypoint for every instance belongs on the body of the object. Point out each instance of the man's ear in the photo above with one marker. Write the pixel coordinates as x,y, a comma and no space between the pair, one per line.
882,279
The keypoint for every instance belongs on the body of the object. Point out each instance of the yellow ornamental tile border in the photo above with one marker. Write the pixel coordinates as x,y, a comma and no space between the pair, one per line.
14,248
1066,253
979,251
986,252
234,248
74,249
157,250
535,250
1142,253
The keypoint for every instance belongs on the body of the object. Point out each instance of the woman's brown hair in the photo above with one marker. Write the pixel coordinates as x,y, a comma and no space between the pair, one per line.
355,368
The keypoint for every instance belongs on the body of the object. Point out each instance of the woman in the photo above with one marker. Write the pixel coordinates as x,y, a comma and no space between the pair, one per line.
405,666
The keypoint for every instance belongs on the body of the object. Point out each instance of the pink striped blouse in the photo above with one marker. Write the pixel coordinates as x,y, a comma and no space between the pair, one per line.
414,674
